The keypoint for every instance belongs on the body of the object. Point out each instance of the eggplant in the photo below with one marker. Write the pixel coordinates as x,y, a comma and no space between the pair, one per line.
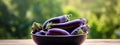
36,27
77,31
57,31
39,33
69,26
85,20
42,32
59,19
85,28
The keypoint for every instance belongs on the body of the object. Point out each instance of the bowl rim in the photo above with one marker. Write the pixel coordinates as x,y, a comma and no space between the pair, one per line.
58,35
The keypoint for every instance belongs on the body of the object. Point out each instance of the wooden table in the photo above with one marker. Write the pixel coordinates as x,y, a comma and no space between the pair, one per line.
87,42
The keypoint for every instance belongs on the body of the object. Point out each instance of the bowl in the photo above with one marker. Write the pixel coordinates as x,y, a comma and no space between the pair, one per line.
59,39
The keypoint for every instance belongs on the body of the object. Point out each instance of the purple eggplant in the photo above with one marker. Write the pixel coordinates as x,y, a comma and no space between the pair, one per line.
80,30
42,32
85,20
59,19
57,31
36,27
39,33
68,26
77,31
85,28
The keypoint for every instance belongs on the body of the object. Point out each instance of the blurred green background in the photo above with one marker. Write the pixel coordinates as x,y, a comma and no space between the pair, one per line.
17,16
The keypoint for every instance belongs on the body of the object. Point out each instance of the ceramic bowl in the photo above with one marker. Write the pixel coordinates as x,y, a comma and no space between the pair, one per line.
59,39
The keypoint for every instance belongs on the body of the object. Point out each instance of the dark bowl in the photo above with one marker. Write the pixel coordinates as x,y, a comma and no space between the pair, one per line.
59,40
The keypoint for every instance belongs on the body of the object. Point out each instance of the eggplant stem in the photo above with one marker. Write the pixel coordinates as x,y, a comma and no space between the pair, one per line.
49,25
36,25
68,17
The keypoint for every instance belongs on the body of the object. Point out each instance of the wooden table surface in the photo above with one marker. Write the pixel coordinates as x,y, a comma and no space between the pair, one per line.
87,42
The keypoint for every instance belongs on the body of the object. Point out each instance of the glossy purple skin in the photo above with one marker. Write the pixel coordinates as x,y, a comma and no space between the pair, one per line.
41,32
69,26
60,19
57,31
85,28
74,32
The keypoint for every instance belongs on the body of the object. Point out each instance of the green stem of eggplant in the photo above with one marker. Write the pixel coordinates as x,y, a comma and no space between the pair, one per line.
36,25
48,26
68,17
